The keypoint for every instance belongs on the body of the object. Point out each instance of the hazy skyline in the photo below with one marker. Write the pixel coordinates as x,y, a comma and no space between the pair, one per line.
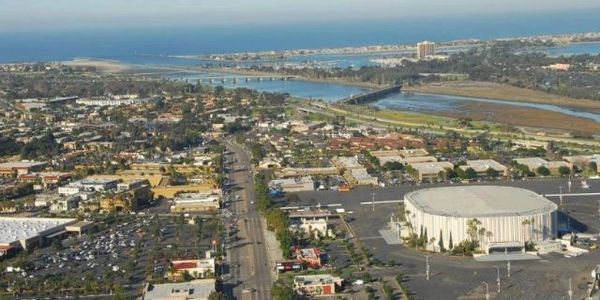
18,15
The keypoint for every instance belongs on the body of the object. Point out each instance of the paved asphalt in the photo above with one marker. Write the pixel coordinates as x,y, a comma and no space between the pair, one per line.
248,262
460,277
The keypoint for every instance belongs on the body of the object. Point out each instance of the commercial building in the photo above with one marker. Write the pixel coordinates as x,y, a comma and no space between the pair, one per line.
196,203
128,200
485,167
313,285
99,185
196,268
429,171
506,217
297,184
425,49
198,289
534,163
311,257
24,233
404,156
15,168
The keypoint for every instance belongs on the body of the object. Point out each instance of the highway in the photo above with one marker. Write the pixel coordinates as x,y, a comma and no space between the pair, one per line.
247,255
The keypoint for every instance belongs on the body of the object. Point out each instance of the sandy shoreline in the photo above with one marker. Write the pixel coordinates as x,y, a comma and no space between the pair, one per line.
101,65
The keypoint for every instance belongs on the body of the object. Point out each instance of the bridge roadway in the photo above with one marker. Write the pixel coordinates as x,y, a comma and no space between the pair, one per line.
371,96
243,78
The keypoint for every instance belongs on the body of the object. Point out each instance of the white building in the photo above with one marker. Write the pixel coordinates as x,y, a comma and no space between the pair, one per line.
27,232
193,290
508,216
296,184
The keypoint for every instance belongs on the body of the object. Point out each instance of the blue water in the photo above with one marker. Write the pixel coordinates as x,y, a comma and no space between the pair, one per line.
574,49
126,44
298,88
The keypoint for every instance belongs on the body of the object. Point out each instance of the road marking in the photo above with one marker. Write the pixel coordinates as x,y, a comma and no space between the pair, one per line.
299,207
381,202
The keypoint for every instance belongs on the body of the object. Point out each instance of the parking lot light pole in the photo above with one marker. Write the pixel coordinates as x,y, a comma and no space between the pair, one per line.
507,263
570,290
427,266
498,279
487,291
373,201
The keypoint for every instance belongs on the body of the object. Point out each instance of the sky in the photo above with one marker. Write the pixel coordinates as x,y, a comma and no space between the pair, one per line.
22,15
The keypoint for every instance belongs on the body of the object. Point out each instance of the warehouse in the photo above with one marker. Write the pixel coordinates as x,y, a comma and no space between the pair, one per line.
505,217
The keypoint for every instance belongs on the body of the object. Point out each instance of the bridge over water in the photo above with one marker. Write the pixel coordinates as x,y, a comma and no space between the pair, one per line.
371,96
242,78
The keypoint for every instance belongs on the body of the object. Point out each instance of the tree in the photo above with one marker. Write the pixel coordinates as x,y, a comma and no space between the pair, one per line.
543,171
441,242
470,173
450,244
216,296
491,173
593,167
282,291
564,170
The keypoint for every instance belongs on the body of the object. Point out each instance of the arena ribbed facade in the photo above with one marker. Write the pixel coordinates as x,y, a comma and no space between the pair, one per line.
506,217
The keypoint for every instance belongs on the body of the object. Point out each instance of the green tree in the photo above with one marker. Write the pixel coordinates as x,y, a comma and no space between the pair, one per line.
543,171
282,291
450,243
470,173
564,170
217,296
441,242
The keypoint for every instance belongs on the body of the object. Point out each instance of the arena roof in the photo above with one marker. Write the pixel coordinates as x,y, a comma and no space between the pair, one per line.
479,201
15,229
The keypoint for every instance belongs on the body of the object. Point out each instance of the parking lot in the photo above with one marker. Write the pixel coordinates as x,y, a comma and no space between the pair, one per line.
454,277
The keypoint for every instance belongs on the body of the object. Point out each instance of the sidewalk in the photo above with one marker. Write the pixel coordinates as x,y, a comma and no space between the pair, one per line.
273,252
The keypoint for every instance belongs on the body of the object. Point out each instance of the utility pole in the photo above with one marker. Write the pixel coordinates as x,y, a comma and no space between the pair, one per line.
498,279
427,266
569,183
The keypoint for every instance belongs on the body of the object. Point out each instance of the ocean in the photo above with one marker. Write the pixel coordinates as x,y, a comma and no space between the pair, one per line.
130,45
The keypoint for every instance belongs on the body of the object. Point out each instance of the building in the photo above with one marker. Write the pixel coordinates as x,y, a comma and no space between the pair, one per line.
314,228
534,163
362,177
24,233
508,216
314,285
297,184
429,171
15,168
485,167
128,200
425,49
311,257
582,162
196,268
97,184
196,203
198,289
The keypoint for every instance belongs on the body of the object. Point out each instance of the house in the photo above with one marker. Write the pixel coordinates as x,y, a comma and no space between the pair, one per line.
314,285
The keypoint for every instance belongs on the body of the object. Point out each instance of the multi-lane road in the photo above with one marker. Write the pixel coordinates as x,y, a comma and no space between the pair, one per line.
249,274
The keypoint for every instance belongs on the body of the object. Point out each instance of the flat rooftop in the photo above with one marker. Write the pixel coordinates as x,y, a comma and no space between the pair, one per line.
196,289
15,229
479,201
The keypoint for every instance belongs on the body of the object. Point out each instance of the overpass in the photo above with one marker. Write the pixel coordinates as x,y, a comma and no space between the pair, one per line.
371,96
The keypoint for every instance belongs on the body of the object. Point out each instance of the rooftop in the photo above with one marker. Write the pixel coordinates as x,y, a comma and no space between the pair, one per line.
196,289
15,229
21,164
479,201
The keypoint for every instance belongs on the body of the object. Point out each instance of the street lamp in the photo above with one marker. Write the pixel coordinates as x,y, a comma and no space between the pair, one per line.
427,266
487,291
373,201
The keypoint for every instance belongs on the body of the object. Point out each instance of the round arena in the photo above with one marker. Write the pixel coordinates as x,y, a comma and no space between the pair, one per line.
499,218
